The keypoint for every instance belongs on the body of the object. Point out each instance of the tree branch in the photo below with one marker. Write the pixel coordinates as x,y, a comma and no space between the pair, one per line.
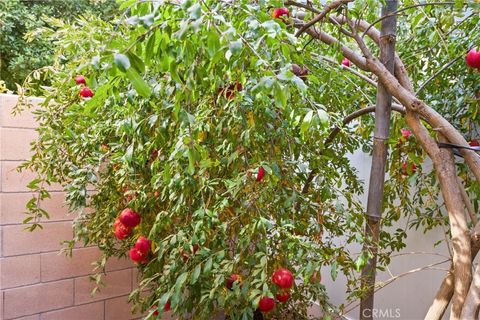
468,204
446,66
472,301
333,5
351,70
403,91
301,5
354,57
443,163
335,131
445,292
405,9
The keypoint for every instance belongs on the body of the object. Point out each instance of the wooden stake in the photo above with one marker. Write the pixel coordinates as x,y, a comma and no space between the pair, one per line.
379,159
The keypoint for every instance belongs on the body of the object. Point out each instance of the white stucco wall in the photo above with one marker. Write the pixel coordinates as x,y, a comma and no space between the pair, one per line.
410,296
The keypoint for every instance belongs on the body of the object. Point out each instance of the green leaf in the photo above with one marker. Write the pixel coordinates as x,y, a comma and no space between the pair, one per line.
361,261
196,273
323,116
121,61
213,43
279,95
235,47
307,120
181,281
208,266
126,4
150,48
138,83
136,62
27,220
334,270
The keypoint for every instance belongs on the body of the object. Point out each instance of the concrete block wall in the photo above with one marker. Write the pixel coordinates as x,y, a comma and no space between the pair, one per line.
36,281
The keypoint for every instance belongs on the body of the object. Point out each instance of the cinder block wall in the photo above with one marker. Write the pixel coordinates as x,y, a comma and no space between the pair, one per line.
36,282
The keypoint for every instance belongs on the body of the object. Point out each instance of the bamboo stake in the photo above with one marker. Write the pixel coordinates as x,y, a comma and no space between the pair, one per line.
379,159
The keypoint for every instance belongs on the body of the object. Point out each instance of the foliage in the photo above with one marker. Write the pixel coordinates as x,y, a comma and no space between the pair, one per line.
22,48
3,88
164,136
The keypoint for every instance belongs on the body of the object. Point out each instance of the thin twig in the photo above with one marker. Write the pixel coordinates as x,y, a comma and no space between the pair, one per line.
404,9
321,15
468,204
383,284
352,116
301,5
423,85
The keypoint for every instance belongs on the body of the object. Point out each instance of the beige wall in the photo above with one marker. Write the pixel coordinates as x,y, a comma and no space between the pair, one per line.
36,282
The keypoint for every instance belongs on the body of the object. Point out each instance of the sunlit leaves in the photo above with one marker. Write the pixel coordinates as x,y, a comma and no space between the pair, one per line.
189,103
140,85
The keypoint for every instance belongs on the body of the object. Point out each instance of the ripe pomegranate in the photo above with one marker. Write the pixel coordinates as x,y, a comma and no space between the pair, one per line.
120,231
154,155
473,58
143,245
266,304
80,80
283,278
474,143
121,234
279,12
260,174
230,90
346,62
137,256
283,296
129,218
231,280
86,92
167,306
405,169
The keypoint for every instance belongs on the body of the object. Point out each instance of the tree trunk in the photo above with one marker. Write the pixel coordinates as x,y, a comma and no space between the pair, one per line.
379,159
445,292
442,159
472,301
447,176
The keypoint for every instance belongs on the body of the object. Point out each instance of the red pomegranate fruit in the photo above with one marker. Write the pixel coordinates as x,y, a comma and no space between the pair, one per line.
80,80
86,92
283,278
129,218
231,280
283,296
260,174
266,304
280,13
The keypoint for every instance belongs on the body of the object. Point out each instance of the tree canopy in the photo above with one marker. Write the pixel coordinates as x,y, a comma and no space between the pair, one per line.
192,100
22,47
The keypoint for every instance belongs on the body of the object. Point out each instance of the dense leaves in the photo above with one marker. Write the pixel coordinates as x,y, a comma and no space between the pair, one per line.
192,103
22,46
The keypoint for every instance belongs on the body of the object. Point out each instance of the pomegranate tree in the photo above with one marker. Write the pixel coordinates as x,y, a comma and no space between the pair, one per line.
204,155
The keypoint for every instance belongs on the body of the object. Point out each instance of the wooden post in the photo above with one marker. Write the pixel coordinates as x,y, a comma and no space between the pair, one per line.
379,159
